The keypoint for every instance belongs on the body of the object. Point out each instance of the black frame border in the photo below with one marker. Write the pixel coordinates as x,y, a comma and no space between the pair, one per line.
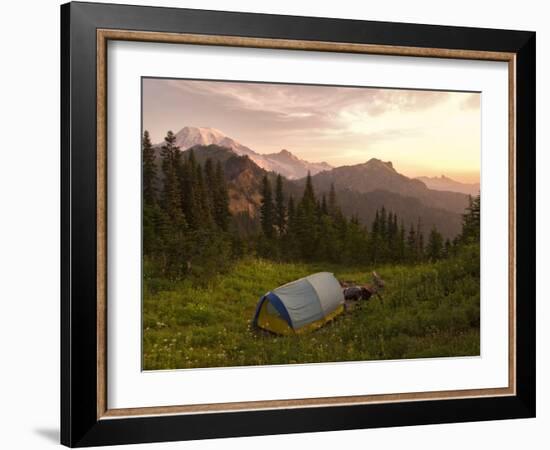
79,423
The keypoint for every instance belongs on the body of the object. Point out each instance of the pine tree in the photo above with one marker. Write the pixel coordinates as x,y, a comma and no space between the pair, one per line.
471,221
177,160
171,202
307,223
341,226
448,248
220,199
309,194
383,224
380,238
318,210
374,238
434,247
419,240
324,206
191,201
333,208
289,243
280,209
376,225
395,237
391,236
267,213
203,210
401,242
149,170
356,245
210,184
412,244
329,247
151,232
291,210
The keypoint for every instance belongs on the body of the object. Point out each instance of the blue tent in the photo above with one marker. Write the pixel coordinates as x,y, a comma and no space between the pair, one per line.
301,305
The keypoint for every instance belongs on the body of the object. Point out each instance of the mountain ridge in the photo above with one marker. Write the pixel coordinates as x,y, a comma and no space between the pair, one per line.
376,174
244,179
283,162
444,183
361,188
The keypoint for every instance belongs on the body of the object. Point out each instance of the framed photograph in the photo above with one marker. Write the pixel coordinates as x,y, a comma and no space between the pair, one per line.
276,224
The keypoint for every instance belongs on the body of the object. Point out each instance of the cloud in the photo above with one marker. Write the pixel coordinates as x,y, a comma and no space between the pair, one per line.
337,124
307,101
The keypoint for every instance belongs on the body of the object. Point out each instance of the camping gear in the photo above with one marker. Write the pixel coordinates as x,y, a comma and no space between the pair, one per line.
355,292
300,306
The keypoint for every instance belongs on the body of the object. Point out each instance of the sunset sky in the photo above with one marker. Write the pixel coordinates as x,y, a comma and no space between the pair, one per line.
422,132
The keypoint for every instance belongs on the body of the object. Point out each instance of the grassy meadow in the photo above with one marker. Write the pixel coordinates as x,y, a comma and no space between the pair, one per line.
428,310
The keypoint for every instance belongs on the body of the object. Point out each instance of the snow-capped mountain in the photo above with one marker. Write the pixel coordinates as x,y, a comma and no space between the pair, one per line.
284,162
188,137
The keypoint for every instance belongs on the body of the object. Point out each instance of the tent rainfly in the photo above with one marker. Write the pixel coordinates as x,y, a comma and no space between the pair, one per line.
300,306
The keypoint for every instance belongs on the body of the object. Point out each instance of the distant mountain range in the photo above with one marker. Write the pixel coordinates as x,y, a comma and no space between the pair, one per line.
363,188
444,183
360,188
375,175
284,162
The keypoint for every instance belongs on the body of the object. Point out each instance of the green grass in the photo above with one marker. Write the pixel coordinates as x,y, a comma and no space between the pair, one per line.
428,310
